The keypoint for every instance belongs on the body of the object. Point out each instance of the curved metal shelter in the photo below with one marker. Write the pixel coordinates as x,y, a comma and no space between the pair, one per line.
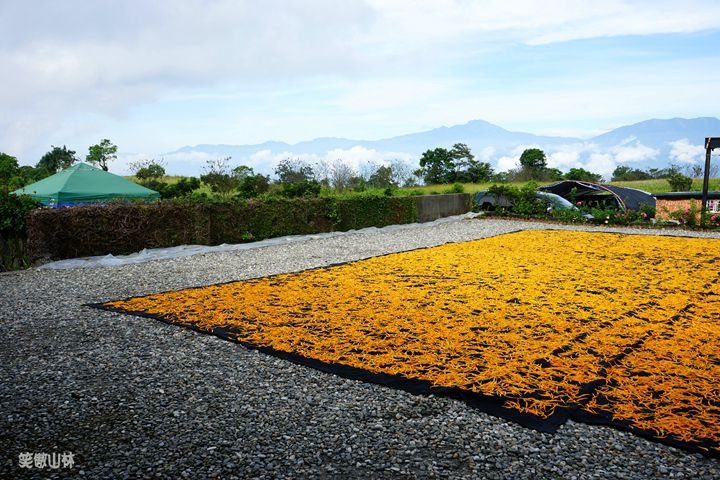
601,195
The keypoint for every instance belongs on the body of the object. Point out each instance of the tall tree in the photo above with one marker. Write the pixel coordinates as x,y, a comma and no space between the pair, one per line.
291,171
533,163
102,153
383,177
467,168
437,166
56,159
8,170
533,158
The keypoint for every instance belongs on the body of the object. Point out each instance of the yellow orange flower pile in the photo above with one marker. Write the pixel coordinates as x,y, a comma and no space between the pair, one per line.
620,327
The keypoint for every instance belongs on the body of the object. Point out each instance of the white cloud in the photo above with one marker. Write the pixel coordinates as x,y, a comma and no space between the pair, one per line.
507,162
589,156
602,163
486,154
637,152
682,151
277,68
264,161
110,57
542,22
566,156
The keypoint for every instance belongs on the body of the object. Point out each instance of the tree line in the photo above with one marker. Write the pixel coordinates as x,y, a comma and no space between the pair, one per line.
14,176
296,177
458,164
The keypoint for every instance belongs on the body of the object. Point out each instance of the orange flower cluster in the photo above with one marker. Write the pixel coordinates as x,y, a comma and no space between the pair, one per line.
531,317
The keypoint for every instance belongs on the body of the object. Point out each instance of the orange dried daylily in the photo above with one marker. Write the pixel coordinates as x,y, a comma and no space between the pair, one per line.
530,317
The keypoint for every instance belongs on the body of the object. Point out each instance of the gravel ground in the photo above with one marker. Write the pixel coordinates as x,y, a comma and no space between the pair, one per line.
136,398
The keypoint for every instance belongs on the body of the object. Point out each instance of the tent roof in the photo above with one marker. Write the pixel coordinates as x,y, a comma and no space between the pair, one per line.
628,198
84,183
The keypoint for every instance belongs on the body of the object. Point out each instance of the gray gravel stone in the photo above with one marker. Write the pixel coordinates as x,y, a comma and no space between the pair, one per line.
136,398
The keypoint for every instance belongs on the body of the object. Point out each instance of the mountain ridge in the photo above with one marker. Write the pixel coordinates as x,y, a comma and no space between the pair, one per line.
649,143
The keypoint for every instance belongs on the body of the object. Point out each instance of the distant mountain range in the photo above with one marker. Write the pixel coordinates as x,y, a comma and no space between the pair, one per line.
651,143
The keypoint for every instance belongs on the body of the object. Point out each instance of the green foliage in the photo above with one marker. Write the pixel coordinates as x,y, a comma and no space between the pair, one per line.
552,174
533,166
523,199
534,162
13,176
148,169
582,175
456,187
679,182
501,177
55,160
688,216
253,185
362,211
124,228
647,211
26,175
437,166
183,188
303,188
467,168
296,179
613,216
293,171
713,220
218,176
8,170
504,190
250,184
526,203
383,177
151,171
13,211
625,174
13,217
102,153
440,166
568,215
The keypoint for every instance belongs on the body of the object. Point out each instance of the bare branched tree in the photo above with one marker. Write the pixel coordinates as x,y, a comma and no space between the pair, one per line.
341,175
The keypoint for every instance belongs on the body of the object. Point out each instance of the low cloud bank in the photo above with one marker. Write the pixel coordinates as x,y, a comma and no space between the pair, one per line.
590,156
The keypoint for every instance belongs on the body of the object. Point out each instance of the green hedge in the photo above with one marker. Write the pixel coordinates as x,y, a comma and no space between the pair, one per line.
13,212
55,234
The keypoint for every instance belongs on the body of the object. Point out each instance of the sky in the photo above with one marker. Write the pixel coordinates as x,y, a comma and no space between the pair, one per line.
157,76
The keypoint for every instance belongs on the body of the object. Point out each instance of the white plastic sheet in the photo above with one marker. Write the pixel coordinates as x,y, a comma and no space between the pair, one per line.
148,255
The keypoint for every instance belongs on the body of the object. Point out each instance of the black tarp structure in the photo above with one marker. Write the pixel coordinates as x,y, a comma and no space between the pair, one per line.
589,193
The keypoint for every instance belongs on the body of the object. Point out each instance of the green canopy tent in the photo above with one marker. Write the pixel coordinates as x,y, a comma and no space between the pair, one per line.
81,184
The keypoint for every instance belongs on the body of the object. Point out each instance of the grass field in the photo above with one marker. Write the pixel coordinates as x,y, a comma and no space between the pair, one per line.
651,186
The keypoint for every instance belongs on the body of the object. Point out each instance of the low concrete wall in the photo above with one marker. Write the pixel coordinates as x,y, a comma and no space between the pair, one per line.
432,207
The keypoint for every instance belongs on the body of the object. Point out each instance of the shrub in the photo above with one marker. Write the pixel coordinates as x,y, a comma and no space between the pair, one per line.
13,214
182,188
253,186
302,188
124,228
569,215
688,217
679,182
456,188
